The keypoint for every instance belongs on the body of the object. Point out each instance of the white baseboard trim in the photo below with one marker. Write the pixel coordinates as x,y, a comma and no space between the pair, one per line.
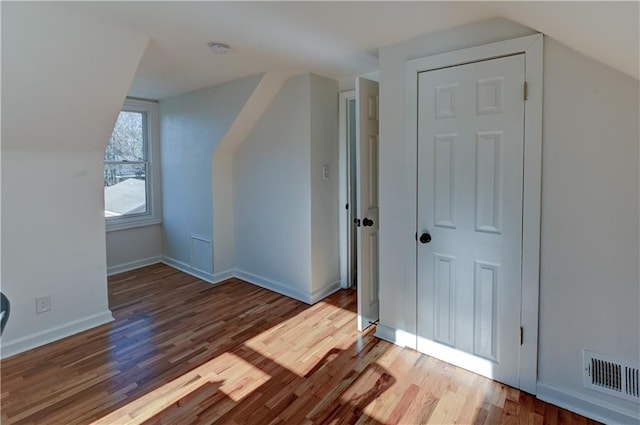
38,339
222,276
395,336
207,277
344,284
132,265
324,292
274,286
386,333
591,407
263,282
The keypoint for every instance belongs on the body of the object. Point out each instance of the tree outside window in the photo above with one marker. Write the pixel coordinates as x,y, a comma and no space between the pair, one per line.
128,167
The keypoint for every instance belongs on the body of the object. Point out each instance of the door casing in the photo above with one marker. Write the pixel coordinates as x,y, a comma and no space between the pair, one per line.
532,47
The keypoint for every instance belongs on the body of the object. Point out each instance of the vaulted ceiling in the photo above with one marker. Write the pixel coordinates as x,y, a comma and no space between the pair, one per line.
337,39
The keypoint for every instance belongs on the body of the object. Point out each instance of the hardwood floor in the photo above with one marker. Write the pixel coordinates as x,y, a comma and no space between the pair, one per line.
182,351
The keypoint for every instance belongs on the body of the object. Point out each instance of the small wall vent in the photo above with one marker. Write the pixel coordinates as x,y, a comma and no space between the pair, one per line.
611,376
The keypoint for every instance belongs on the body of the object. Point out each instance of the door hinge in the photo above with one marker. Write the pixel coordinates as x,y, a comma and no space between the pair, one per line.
525,90
521,335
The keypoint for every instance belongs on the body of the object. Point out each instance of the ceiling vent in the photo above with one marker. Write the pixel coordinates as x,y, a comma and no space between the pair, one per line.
611,376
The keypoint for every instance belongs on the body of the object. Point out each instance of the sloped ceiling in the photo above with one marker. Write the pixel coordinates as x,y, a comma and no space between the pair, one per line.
337,39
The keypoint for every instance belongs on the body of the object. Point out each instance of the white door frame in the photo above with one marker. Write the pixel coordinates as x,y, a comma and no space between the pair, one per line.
343,176
532,47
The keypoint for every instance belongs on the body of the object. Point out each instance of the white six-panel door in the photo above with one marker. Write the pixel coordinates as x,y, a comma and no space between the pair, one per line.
367,211
470,177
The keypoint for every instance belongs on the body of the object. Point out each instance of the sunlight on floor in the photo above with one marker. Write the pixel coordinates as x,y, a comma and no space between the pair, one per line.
307,348
236,378
241,378
451,390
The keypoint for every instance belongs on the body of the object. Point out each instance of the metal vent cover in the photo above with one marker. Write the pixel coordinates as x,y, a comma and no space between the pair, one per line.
611,376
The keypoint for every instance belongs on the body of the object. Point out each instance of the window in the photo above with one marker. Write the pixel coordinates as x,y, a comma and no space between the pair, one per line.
131,182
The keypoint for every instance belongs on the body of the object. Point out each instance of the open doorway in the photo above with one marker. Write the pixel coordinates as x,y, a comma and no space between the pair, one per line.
348,191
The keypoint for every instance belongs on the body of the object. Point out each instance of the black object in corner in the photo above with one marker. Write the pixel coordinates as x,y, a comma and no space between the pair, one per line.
5,309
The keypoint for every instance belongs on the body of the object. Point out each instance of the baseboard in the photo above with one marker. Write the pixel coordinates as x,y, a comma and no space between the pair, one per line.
222,276
38,339
592,407
132,265
274,286
395,336
324,292
386,333
344,284
207,277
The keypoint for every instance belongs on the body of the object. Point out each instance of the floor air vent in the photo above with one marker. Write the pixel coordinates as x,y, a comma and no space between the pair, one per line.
611,376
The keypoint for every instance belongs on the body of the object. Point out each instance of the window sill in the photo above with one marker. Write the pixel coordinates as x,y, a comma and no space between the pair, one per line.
125,224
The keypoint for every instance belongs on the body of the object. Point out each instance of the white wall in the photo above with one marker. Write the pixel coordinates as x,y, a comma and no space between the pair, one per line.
191,127
325,261
589,285
222,186
589,288
347,84
64,80
222,171
132,248
272,196
285,215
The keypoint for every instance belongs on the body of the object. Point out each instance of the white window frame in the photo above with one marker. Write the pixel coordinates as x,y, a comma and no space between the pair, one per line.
153,214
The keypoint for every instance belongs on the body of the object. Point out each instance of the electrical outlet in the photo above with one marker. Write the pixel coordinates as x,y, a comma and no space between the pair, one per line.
43,304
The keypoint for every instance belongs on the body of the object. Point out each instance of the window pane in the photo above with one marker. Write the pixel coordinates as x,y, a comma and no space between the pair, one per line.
127,140
125,189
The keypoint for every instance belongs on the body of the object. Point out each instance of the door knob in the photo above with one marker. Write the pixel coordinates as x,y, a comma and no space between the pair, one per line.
367,222
425,238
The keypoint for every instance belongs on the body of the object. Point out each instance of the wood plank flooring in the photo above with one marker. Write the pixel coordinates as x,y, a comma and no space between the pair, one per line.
184,352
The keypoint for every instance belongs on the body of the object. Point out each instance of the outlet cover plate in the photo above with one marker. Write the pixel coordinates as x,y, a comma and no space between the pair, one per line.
43,304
